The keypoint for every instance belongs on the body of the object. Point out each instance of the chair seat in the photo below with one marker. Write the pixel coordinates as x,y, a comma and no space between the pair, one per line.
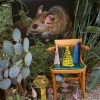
75,67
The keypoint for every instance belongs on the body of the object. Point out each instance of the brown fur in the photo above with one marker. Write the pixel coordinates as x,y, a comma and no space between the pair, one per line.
55,21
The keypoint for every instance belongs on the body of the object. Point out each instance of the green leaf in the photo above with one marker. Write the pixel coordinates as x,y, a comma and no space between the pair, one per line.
76,26
82,9
94,79
5,84
1,74
25,72
6,73
92,29
18,48
76,6
16,35
98,18
8,48
14,71
16,59
4,64
18,97
28,59
19,78
5,5
14,81
26,45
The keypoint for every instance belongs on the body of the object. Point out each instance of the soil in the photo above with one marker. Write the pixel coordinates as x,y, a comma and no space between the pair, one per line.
90,95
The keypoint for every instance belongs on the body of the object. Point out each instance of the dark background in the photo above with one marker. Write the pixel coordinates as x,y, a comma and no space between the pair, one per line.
33,5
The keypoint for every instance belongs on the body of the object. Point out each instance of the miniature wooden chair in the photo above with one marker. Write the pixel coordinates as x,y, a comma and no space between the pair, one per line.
78,69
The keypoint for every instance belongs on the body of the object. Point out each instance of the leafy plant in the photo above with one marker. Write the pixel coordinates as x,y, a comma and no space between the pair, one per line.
94,79
42,60
87,27
6,22
17,97
6,19
14,65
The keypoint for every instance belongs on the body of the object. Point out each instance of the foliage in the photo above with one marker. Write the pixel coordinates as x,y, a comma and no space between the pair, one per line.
6,23
94,79
6,19
17,97
42,60
14,64
87,27
24,21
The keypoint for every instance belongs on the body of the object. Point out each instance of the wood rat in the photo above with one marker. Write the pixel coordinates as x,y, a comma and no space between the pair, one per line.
55,22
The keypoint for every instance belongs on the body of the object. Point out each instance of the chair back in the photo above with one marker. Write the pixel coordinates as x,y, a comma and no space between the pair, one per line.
67,42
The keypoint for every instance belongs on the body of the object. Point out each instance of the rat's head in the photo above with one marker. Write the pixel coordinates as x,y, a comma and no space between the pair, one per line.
41,23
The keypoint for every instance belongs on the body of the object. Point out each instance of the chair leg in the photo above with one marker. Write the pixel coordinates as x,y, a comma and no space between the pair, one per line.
54,86
83,85
80,82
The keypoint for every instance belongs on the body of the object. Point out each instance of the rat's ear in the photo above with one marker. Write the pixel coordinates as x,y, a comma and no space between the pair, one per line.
39,10
49,18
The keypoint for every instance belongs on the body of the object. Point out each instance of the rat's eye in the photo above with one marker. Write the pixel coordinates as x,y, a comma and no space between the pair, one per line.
34,26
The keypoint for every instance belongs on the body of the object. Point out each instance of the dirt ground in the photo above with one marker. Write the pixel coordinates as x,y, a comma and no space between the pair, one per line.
90,95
